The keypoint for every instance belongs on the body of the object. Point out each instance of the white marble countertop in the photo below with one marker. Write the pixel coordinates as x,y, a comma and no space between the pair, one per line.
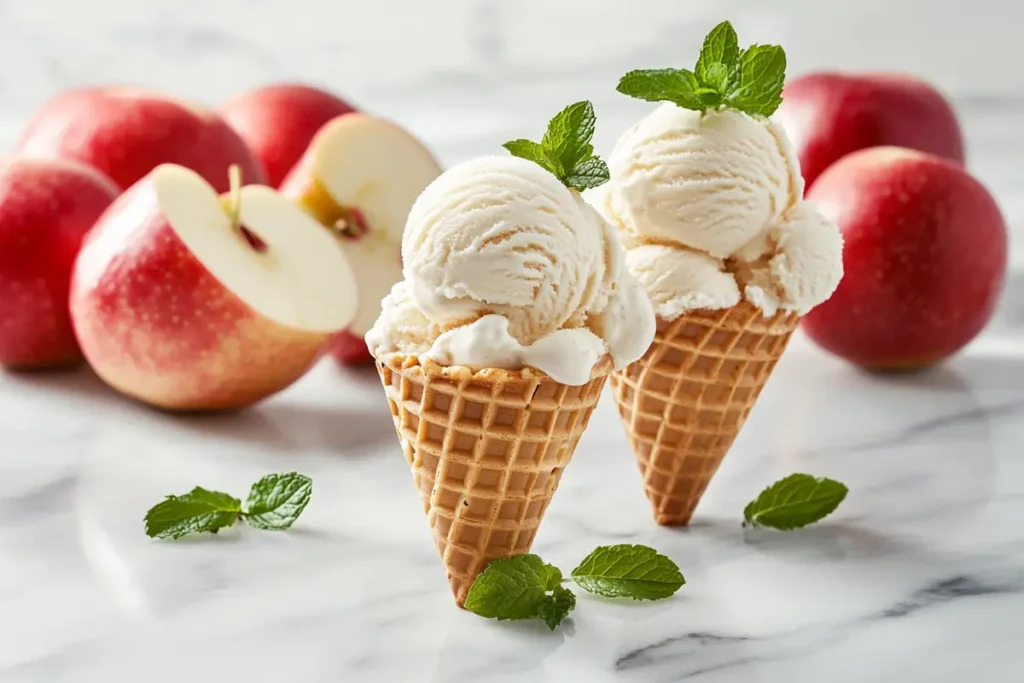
919,576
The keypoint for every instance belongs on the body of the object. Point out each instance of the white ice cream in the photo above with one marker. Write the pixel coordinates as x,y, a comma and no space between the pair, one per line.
505,268
710,209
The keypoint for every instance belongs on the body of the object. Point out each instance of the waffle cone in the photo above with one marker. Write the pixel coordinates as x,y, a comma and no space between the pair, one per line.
685,401
487,449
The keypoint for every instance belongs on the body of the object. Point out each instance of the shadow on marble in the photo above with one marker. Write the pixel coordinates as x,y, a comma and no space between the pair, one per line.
79,381
293,428
826,542
490,650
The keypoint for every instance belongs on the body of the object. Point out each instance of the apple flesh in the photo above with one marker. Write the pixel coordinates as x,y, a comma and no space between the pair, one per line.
829,115
279,121
127,132
925,258
359,178
175,305
46,208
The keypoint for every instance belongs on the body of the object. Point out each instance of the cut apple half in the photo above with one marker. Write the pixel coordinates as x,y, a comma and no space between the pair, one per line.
359,178
296,275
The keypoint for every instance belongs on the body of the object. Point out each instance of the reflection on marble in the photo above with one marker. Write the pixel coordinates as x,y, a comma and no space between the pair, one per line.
919,577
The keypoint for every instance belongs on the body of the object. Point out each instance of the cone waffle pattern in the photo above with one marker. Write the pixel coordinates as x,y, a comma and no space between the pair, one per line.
685,401
487,449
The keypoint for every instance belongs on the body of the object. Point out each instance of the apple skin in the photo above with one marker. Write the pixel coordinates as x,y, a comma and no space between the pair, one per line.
46,208
156,325
925,259
348,349
829,115
279,121
127,132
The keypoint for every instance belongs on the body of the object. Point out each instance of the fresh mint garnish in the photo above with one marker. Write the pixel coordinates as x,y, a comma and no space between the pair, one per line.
628,571
794,502
277,500
748,80
274,502
520,587
525,587
565,149
198,511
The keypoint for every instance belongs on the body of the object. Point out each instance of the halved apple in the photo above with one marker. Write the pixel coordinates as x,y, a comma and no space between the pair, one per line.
359,178
189,302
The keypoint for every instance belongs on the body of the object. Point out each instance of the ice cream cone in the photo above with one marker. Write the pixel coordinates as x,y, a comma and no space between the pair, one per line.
685,401
487,449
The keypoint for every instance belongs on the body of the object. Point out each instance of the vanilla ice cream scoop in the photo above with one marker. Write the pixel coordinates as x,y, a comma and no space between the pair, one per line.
709,207
506,267
502,235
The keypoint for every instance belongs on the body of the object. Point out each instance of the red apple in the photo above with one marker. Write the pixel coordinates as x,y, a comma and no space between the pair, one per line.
829,115
279,121
925,258
359,178
190,301
46,208
126,132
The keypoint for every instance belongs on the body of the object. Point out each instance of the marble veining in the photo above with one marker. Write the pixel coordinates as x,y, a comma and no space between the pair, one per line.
919,577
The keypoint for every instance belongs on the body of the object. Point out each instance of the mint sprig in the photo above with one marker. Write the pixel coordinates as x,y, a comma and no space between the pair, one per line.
274,503
747,80
566,150
525,587
628,571
795,502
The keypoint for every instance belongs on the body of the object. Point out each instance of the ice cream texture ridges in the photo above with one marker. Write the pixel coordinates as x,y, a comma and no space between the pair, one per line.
505,267
709,208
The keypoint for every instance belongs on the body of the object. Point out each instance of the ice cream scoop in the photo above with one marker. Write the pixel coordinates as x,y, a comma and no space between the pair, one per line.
507,267
709,204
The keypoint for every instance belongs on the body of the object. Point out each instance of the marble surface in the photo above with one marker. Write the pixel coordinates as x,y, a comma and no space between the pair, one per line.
919,576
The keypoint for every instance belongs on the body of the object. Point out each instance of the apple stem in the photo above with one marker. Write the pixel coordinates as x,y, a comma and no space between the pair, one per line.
235,195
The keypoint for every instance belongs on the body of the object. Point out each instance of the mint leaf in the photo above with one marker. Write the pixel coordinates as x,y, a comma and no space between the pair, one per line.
512,588
277,500
762,75
628,571
719,60
591,173
557,606
565,149
568,136
198,511
527,149
656,85
794,502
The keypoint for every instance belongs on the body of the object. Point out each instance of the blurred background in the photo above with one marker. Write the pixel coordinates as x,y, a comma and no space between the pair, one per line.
467,75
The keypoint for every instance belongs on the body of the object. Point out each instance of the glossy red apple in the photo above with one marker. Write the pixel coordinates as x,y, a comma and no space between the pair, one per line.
925,258
46,208
279,121
191,301
126,132
359,178
829,115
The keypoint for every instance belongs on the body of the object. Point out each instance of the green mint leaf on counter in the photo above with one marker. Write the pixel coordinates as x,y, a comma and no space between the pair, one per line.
748,80
557,606
277,500
591,173
628,571
762,75
514,588
656,85
198,511
566,150
719,60
794,502
274,502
